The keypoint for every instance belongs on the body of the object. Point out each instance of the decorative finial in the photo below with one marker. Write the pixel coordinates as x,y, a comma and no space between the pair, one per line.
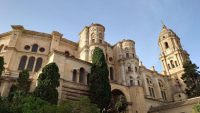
163,25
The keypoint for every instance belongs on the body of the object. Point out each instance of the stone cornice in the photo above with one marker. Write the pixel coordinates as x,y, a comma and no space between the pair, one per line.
153,72
83,29
17,27
70,42
123,41
5,34
69,57
37,33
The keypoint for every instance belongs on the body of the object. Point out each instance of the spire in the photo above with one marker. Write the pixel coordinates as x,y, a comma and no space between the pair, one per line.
163,25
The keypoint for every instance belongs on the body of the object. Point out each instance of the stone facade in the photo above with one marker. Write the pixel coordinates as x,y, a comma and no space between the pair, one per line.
145,89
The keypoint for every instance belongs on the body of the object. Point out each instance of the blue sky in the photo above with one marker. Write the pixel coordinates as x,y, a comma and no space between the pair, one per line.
139,20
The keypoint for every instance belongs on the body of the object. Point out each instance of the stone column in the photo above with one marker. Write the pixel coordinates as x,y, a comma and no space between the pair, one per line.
123,73
10,53
157,89
5,89
56,36
145,85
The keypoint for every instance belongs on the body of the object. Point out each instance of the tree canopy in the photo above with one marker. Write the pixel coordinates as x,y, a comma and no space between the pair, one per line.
48,81
99,86
191,78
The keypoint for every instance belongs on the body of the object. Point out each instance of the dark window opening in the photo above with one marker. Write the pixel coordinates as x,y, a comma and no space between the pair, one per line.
81,75
22,63
135,69
131,82
164,95
138,83
31,62
172,63
176,63
129,69
93,40
27,47
100,41
42,49
166,45
74,78
169,66
34,48
1,47
38,64
151,91
67,53
111,74
147,80
127,55
110,59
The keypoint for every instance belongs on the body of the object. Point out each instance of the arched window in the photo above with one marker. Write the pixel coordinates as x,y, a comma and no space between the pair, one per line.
176,63
22,63
74,77
131,82
172,63
1,48
81,75
135,69
151,91
166,45
149,81
163,95
127,55
31,62
34,48
100,41
38,64
111,74
162,88
93,40
169,66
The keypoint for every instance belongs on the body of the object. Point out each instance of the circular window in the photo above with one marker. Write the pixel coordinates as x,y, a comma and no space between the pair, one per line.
42,49
110,59
67,53
6,47
27,47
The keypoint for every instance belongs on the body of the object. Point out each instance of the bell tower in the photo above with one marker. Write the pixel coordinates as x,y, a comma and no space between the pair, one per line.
172,54
172,57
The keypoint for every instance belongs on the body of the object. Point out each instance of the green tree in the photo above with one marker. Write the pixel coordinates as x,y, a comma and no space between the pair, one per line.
121,104
196,108
99,86
23,82
82,106
191,78
48,81
1,65
22,85
32,104
4,106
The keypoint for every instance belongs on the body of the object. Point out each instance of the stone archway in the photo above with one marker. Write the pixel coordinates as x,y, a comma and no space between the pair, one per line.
123,89
118,102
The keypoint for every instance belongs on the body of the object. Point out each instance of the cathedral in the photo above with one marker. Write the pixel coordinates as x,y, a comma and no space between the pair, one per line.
145,90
